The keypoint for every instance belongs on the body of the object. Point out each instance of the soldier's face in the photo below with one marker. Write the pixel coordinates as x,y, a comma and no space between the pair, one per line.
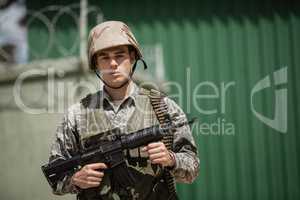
115,65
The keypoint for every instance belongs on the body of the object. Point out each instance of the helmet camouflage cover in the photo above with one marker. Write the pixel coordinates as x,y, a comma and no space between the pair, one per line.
110,34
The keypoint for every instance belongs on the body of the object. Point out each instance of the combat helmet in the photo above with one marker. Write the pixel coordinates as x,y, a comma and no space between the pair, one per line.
110,34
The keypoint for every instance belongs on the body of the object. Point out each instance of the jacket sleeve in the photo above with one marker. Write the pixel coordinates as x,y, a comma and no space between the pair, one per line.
64,146
185,151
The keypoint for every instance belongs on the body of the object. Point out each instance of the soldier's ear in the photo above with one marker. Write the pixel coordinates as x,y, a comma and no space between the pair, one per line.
132,55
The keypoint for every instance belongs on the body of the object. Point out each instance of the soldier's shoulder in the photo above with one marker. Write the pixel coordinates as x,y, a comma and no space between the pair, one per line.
91,99
74,109
83,103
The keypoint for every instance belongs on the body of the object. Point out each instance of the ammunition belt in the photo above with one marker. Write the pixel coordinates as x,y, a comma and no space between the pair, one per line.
161,110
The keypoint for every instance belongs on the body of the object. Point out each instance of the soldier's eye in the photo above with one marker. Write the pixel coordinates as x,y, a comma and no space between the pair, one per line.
120,56
104,58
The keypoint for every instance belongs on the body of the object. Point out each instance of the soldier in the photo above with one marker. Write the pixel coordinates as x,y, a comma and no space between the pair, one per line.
112,54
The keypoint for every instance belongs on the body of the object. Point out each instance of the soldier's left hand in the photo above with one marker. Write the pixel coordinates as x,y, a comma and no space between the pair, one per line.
159,154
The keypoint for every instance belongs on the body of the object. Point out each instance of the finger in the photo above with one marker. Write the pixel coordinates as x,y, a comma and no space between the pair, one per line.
95,173
97,166
83,183
155,150
159,161
154,145
86,183
94,179
157,156
92,184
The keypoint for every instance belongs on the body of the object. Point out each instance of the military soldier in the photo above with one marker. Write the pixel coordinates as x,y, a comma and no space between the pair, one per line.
112,54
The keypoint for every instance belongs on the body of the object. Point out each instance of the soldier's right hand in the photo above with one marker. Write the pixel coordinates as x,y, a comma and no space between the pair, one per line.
89,176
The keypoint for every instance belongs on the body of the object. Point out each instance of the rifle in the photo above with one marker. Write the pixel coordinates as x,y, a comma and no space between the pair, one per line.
109,152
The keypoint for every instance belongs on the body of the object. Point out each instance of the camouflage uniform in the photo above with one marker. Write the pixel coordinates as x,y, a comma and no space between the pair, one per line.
73,131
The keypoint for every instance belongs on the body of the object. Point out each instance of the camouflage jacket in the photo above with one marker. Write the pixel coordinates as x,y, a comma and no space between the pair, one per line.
66,145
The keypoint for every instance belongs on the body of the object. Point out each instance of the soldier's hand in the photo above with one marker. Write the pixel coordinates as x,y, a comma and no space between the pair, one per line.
159,154
89,176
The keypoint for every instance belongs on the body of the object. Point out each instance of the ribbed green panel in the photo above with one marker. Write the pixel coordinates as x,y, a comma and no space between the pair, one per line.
222,42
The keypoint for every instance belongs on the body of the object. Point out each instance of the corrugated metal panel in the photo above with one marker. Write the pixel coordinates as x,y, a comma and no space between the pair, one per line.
223,42
257,162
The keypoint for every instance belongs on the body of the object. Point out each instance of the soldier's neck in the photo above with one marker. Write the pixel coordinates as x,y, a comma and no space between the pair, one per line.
120,93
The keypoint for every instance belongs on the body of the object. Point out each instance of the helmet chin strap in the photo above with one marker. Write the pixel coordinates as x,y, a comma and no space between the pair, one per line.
130,76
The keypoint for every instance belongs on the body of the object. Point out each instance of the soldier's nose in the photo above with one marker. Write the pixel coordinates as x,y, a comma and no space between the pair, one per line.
113,63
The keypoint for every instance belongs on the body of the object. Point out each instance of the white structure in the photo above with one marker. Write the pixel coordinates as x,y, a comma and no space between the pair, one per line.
12,32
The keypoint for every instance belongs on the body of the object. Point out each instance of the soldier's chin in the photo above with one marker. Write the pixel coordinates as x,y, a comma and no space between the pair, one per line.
118,83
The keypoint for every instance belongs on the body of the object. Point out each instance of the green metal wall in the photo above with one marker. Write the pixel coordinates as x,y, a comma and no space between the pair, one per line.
222,42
